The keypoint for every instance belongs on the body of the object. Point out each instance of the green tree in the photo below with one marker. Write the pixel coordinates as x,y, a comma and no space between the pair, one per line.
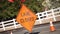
10,10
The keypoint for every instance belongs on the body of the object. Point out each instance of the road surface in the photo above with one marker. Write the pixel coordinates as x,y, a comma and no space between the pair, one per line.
39,29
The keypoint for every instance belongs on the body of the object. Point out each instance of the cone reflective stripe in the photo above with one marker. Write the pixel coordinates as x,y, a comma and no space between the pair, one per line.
52,28
51,24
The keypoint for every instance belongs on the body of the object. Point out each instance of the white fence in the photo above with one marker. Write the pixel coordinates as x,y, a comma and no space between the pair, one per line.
53,13
43,17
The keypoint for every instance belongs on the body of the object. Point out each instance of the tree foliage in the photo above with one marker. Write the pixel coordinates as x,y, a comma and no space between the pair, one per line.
10,10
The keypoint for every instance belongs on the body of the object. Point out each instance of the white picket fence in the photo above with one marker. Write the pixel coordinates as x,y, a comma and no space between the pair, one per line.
43,17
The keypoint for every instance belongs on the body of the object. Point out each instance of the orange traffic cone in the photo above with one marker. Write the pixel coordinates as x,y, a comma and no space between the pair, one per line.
52,28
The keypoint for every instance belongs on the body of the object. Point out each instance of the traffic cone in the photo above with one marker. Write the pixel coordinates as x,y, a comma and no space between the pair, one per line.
52,28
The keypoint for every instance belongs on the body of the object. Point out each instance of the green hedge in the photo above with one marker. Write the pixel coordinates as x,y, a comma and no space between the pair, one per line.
9,10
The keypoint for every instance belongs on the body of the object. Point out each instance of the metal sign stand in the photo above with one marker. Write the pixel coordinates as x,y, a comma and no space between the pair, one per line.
32,33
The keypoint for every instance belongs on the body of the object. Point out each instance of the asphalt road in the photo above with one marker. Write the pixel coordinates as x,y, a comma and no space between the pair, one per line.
39,29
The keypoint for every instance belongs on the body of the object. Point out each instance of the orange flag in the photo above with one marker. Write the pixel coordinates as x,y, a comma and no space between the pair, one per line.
26,18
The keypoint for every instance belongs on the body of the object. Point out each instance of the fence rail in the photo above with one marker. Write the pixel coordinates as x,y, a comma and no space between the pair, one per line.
43,17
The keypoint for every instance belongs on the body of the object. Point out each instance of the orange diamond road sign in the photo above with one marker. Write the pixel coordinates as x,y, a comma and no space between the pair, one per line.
26,18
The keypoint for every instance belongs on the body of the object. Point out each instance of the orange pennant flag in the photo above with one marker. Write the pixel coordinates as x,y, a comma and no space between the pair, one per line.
26,18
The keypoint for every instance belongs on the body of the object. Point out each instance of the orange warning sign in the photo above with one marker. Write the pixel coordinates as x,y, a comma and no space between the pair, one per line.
26,18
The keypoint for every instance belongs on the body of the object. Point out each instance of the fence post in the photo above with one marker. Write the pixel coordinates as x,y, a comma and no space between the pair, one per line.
14,23
46,13
3,25
53,15
39,18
